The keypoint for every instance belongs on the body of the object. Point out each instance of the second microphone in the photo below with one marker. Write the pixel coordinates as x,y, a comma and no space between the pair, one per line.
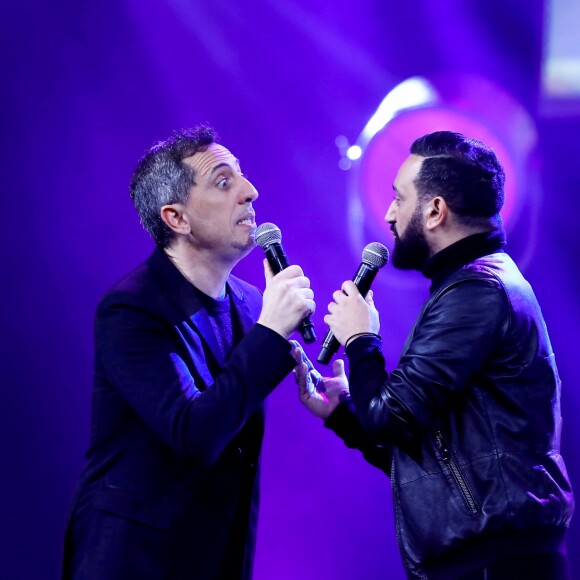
269,238
374,257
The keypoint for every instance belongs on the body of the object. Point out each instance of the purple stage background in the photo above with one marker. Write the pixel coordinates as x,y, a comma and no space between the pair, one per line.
87,87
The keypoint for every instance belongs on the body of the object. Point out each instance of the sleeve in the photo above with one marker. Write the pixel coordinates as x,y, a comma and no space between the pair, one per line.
344,423
140,357
451,341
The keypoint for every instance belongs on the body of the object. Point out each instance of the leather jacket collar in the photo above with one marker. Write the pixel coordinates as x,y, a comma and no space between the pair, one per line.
462,252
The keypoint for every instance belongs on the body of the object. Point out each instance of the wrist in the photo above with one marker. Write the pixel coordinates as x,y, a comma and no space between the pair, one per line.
277,328
359,335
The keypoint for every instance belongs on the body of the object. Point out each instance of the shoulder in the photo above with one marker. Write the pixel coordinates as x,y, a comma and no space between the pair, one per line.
479,285
139,286
494,270
490,287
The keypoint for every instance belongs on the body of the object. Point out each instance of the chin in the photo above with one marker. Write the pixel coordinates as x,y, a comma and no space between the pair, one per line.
408,260
245,248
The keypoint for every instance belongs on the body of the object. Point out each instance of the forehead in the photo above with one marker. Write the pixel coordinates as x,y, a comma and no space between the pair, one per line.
203,162
408,172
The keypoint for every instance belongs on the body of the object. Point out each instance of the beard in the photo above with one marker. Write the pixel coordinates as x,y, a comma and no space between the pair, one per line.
411,250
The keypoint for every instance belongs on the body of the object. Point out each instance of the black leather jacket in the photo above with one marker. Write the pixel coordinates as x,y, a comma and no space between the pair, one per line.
471,416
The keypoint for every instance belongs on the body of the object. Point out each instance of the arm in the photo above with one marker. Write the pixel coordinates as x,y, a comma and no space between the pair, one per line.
146,365
144,360
451,341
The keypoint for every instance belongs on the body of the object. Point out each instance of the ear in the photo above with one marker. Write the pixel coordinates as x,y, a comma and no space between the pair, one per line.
175,219
437,213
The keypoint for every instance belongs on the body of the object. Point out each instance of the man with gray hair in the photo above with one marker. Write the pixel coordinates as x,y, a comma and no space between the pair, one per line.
185,354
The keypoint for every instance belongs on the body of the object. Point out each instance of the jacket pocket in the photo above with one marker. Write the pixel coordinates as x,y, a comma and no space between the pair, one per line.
451,467
123,503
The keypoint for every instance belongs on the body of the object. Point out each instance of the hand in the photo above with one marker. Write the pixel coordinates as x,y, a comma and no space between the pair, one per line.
351,314
288,299
321,395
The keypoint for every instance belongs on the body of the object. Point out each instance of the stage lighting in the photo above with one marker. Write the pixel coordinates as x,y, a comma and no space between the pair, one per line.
471,105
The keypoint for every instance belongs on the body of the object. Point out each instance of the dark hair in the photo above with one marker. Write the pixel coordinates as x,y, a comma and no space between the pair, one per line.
162,178
464,172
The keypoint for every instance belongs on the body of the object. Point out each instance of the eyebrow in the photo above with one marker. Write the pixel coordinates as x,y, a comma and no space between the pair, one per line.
224,164
218,166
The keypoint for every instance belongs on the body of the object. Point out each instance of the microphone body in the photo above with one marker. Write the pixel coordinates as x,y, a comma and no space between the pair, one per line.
269,238
375,256
276,257
365,277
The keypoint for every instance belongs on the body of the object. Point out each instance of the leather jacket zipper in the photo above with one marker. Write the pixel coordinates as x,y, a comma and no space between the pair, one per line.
449,460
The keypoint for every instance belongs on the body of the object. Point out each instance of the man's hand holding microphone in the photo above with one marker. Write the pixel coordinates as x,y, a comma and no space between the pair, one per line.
288,303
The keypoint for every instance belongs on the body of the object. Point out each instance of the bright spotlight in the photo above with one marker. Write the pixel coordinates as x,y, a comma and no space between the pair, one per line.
354,152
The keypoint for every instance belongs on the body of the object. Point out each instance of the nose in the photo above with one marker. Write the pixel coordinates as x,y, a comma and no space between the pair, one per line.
391,217
249,192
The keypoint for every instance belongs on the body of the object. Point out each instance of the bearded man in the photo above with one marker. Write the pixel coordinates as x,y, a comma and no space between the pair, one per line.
468,424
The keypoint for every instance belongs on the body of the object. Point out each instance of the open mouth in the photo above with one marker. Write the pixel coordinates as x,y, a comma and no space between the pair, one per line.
247,221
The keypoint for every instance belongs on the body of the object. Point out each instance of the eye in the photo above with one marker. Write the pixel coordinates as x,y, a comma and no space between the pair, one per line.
223,183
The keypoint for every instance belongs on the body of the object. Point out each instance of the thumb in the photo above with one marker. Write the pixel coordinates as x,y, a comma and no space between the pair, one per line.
338,367
268,274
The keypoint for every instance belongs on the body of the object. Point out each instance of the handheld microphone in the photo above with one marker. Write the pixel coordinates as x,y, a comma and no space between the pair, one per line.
374,257
269,238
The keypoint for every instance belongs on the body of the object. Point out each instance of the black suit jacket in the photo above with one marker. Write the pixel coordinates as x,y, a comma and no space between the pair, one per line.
170,485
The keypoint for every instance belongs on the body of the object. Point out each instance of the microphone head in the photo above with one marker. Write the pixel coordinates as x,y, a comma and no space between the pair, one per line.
375,254
267,234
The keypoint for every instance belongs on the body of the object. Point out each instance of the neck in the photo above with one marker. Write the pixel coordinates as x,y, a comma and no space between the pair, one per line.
201,269
448,236
462,252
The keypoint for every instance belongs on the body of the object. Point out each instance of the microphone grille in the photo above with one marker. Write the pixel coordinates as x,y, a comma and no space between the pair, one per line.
375,254
267,234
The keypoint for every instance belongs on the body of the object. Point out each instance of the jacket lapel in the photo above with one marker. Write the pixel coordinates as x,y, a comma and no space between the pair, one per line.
241,306
200,321
193,325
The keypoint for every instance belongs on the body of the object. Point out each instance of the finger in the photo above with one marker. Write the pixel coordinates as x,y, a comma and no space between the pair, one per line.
306,293
302,282
295,344
311,381
296,282
317,381
311,306
296,351
338,295
309,365
338,367
369,298
349,288
300,375
268,274
293,271
306,361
